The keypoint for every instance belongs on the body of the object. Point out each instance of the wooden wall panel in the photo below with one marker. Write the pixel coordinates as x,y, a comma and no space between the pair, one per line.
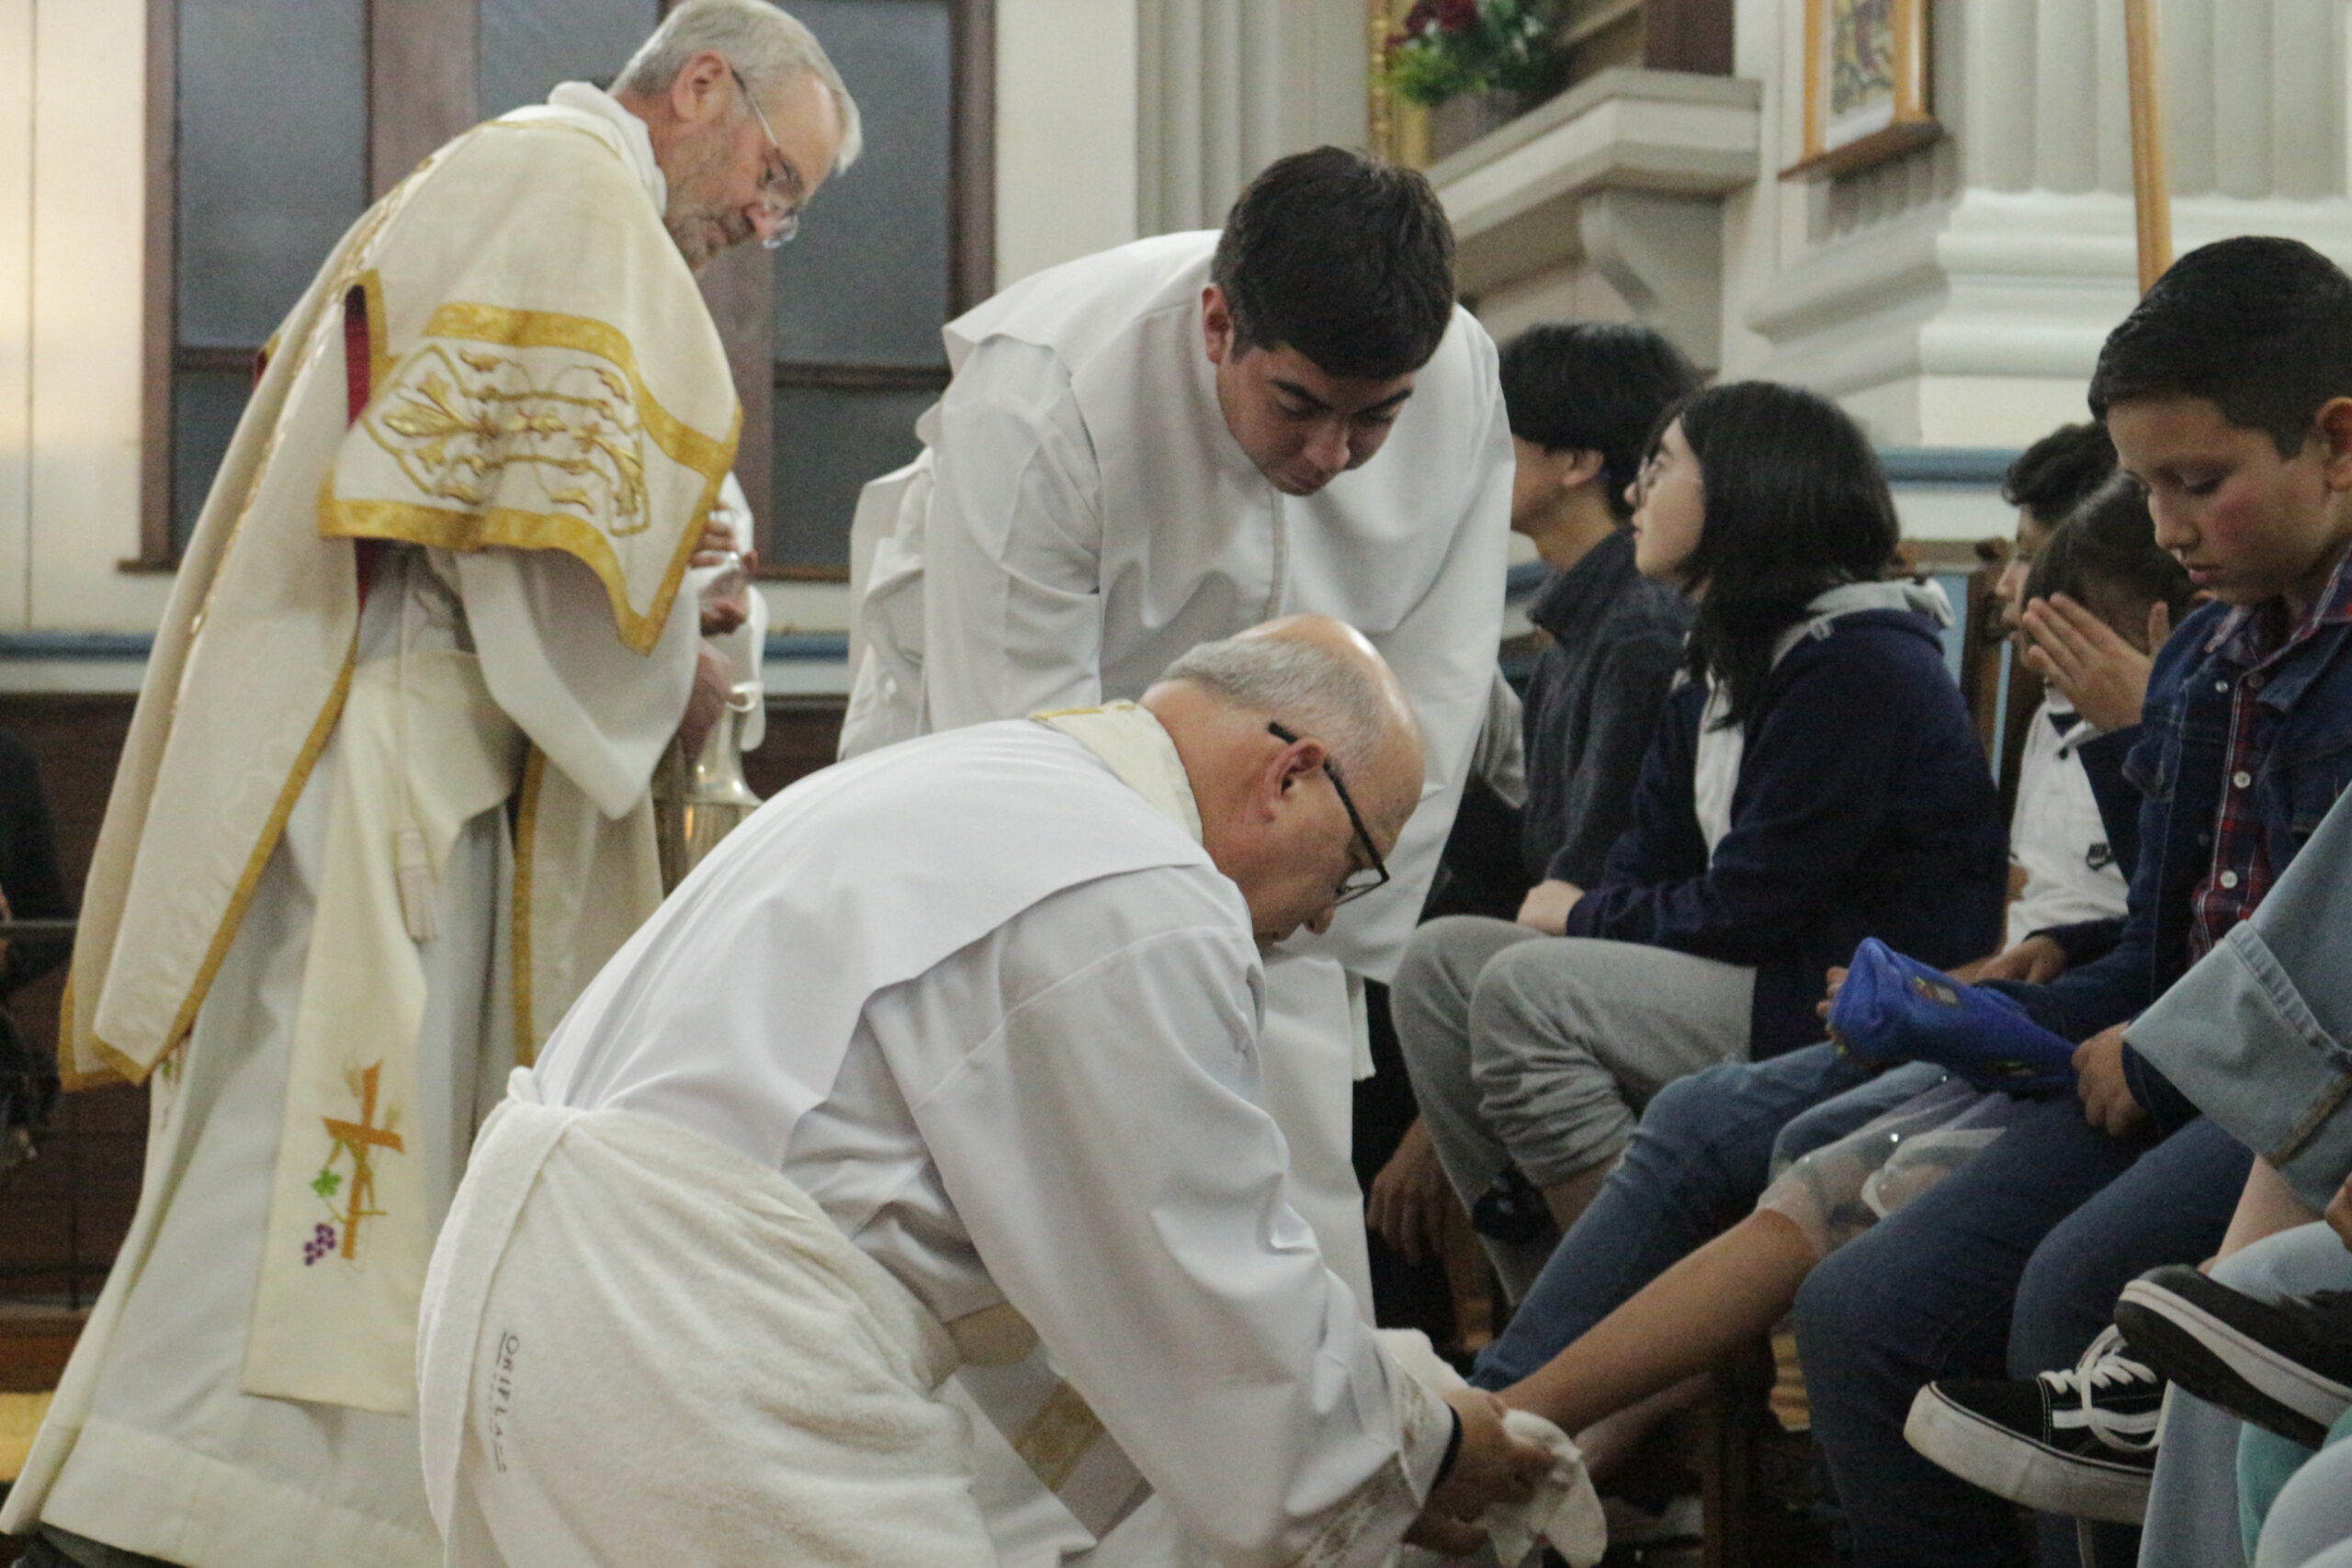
420,83
62,1217
1688,35
803,735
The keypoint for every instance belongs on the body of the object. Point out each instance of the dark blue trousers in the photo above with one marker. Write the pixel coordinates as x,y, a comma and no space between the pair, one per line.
2012,1263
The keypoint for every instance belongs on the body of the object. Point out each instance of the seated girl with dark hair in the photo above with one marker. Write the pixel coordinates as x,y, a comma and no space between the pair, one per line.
1637,1296
1583,398
1814,780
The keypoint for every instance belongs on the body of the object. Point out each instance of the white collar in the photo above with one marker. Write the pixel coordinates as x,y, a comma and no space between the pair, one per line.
637,141
1131,744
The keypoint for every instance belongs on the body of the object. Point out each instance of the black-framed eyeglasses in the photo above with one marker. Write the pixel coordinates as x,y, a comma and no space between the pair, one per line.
1363,879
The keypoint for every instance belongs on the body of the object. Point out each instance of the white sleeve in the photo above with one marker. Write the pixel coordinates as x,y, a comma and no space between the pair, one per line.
1103,1149
747,645
1444,652
543,627
1499,760
1013,604
745,648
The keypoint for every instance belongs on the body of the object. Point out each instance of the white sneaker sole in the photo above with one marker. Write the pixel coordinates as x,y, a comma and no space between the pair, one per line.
2005,1463
2306,1393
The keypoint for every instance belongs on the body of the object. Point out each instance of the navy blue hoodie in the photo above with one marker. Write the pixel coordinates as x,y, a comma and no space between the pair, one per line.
1864,806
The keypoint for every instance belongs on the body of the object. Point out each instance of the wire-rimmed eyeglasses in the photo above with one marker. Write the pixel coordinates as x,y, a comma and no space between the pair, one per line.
779,186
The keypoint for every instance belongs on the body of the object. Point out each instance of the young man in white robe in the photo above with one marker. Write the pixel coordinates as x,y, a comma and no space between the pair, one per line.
1158,445
382,810
952,1047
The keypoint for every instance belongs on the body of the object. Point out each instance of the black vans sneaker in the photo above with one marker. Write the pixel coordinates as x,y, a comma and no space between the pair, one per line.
2285,1366
2080,1443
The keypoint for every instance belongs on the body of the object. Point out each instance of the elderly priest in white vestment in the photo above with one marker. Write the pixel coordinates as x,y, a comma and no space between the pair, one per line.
1158,445
948,1045
382,811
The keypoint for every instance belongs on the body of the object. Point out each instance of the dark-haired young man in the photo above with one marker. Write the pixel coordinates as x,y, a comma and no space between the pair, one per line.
1582,396
2058,473
2229,393
1158,445
1161,445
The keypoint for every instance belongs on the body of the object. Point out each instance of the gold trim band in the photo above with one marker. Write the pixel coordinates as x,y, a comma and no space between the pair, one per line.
527,831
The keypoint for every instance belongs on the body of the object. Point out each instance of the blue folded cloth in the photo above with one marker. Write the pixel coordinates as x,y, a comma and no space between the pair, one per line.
1894,1009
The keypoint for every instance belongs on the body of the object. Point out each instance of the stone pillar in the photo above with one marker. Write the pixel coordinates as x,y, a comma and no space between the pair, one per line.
1227,86
2065,118
2307,49
1960,295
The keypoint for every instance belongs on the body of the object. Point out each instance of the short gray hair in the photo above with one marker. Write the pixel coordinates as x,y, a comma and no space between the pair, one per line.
768,46
1306,688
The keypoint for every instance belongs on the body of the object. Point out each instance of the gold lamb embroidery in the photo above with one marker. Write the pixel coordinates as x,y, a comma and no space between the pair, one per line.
456,418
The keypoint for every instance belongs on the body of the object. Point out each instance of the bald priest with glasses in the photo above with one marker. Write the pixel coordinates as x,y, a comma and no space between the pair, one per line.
949,1049
383,806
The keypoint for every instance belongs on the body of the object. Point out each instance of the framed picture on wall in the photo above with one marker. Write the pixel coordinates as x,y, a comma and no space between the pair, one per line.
1865,84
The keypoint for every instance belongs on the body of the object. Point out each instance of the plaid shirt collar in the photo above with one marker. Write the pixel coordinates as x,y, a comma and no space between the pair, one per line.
2251,643
2250,638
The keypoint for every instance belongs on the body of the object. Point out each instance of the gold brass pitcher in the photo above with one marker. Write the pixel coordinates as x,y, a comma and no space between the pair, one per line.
698,801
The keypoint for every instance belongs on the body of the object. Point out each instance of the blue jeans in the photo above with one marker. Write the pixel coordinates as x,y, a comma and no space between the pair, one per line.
2044,1228
1696,1165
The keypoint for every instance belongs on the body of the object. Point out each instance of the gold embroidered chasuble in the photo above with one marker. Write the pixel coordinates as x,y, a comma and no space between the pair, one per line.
507,351
532,368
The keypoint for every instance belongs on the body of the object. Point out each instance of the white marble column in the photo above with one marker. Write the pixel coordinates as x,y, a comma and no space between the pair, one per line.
1985,89
2065,118
1961,294
1226,86
2307,105
2253,93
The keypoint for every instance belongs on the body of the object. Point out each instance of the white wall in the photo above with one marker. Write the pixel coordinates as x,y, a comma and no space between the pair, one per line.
72,177
1575,292
1066,125
15,299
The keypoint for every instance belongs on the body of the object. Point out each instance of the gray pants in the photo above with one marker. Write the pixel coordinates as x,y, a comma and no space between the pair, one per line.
2193,1505
1539,1052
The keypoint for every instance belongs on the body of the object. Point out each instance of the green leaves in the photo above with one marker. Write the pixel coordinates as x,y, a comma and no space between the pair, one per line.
1450,47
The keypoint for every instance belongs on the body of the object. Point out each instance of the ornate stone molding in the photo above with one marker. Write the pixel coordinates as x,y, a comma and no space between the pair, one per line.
1626,172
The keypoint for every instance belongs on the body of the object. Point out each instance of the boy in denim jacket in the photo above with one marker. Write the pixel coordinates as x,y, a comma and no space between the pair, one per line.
2229,393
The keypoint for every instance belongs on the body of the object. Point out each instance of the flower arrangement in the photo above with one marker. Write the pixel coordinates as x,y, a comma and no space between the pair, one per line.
1445,48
